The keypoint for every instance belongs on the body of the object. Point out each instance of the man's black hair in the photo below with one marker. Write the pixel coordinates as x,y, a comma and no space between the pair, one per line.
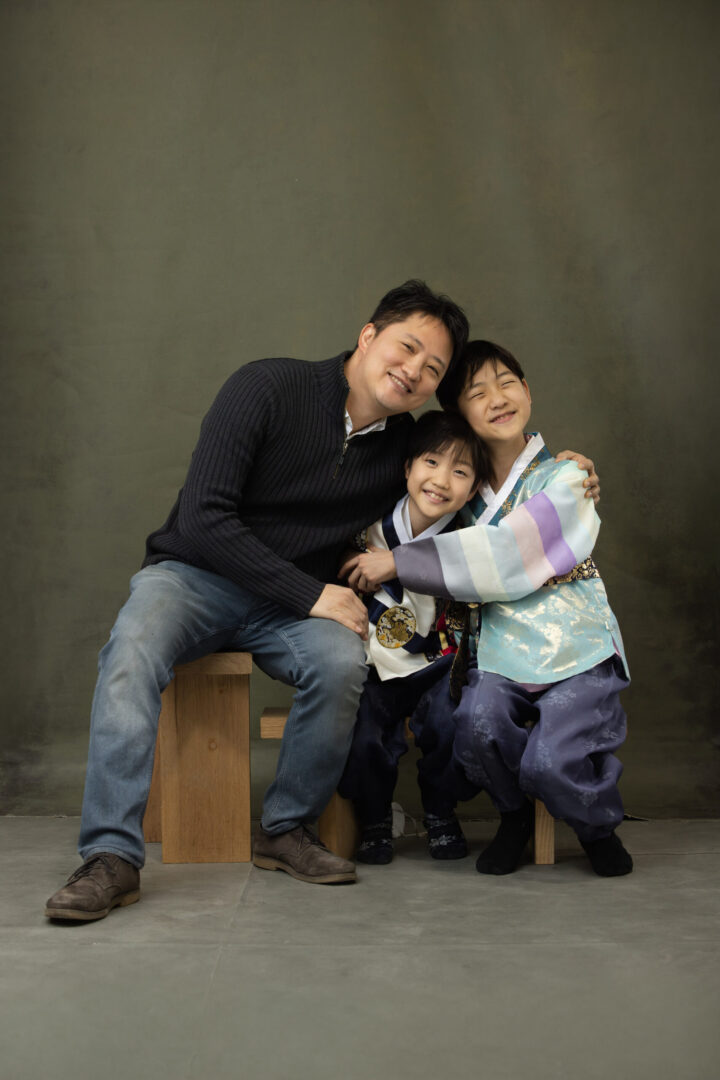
415,296
436,431
474,355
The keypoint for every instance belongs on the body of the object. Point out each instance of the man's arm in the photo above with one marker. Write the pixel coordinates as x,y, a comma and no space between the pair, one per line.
231,436
544,537
592,481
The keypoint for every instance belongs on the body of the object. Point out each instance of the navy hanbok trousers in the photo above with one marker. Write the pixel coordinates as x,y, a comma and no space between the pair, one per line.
379,738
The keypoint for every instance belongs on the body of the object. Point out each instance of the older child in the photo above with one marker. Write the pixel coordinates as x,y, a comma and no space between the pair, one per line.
540,715
445,464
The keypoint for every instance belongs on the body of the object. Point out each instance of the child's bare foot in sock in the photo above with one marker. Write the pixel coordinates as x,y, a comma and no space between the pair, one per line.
376,846
503,854
445,837
608,857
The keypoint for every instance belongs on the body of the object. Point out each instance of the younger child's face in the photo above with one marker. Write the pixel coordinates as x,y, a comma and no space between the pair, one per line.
439,482
496,404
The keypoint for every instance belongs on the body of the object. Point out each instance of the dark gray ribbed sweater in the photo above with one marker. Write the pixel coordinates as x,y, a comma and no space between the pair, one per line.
271,500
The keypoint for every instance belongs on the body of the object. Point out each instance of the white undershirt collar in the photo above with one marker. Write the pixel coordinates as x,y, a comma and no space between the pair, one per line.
377,425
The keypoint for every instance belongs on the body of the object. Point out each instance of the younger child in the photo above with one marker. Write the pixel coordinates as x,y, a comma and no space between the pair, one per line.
540,716
445,464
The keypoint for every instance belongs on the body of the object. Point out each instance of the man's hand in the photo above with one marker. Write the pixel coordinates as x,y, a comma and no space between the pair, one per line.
367,570
341,604
593,481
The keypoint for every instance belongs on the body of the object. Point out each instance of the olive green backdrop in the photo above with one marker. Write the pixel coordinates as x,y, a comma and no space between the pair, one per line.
192,184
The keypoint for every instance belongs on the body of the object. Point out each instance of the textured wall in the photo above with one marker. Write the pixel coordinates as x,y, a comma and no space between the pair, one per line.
191,184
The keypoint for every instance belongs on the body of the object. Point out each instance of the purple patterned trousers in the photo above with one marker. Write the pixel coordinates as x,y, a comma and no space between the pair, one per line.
555,744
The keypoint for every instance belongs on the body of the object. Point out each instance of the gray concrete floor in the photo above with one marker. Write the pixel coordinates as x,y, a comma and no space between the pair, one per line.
421,970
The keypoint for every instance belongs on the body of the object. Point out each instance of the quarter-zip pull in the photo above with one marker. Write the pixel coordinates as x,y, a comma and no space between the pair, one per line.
342,456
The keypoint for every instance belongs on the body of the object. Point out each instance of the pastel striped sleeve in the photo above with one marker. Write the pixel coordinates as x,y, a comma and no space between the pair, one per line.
544,537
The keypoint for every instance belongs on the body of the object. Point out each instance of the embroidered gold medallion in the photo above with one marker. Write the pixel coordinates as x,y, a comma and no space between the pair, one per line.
395,627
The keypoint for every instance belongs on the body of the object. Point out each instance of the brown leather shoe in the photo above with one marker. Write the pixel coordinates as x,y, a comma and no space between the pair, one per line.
301,854
103,882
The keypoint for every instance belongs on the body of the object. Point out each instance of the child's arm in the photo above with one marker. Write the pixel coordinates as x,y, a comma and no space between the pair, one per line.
545,537
380,567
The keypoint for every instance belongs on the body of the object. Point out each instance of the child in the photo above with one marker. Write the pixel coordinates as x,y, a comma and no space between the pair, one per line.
445,464
540,716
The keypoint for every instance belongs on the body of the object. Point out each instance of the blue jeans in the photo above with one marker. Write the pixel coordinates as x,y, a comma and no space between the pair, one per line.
177,613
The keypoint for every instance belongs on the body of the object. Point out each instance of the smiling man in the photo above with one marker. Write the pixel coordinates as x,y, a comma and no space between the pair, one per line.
293,458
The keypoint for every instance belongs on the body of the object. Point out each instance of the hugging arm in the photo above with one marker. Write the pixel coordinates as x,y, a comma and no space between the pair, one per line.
543,538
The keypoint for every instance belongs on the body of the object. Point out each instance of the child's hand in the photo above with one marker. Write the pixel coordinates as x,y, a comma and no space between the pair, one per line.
366,571
592,484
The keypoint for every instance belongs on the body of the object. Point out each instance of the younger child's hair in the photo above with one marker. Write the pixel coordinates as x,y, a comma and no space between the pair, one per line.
436,430
474,355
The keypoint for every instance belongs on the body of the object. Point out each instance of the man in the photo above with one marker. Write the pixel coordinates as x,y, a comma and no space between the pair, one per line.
293,458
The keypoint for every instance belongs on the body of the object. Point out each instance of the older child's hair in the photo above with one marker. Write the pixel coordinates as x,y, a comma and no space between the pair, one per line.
436,431
474,355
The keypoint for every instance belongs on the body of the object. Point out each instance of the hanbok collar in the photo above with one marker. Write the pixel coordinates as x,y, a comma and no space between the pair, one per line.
397,530
494,499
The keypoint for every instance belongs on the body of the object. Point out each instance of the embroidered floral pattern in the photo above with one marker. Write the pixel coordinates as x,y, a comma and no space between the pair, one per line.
582,572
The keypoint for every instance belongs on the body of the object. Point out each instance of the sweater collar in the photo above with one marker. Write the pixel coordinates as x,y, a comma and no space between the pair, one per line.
331,383
334,388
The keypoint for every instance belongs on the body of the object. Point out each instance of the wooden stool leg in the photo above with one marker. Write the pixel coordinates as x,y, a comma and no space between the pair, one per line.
337,827
205,768
544,835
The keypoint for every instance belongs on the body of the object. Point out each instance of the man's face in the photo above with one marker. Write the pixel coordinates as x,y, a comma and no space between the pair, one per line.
400,367
496,404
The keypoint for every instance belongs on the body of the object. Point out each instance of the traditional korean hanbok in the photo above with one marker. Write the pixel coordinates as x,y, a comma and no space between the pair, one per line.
405,655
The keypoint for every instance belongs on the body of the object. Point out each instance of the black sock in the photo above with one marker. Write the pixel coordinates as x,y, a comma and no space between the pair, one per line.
503,853
445,837
608,857
376,845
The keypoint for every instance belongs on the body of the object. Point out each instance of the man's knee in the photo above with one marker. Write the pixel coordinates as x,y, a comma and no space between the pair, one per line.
339,658
133,649
151,628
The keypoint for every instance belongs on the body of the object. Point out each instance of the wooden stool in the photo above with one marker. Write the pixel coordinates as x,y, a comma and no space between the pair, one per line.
199,804
338,828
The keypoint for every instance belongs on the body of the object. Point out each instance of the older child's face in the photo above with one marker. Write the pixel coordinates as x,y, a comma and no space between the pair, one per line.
438,482
496,404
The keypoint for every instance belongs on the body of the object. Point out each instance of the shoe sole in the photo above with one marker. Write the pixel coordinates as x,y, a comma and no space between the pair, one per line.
77,915
264,863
